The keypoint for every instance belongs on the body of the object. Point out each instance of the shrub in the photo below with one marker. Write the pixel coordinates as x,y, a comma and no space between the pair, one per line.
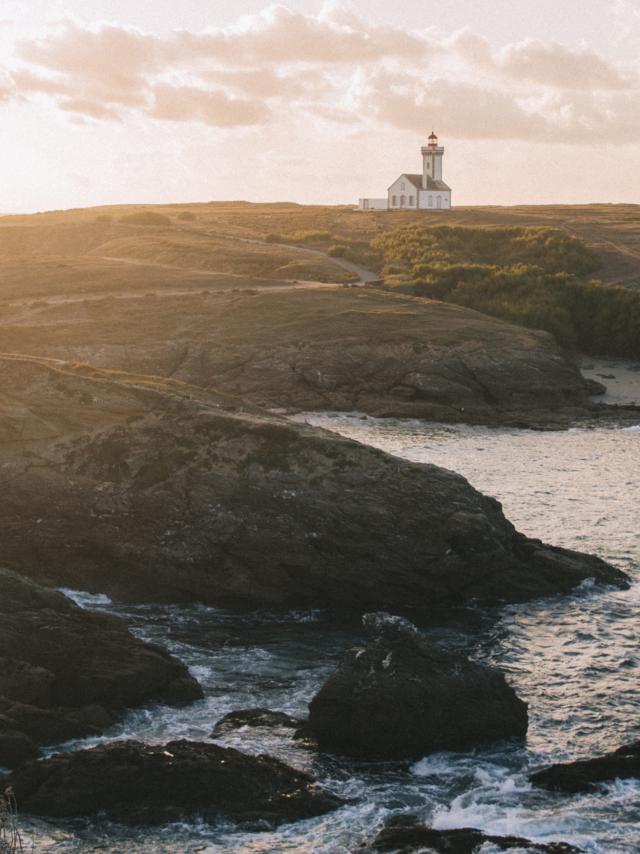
10,839
337,251
186,216
530,276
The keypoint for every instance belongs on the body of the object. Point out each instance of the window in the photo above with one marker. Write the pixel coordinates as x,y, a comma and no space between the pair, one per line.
394,201
439,202
411,201
402,186
403,201
430,201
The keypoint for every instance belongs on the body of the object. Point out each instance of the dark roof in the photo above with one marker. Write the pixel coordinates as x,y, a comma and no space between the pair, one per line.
432,184
416,180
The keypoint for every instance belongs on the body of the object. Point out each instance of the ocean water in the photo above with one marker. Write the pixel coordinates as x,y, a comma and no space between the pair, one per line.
574,659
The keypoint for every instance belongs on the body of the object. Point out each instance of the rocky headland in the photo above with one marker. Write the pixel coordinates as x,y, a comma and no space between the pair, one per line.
304,349
154,490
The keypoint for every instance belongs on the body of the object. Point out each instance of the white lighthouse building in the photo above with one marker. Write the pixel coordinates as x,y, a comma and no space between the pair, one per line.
426,191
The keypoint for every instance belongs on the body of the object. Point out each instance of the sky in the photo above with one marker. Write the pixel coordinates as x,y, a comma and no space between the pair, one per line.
153,101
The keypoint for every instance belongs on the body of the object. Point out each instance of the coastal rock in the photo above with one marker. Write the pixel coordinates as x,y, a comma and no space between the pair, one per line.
253,718
77,669
136,783
16,747
407,835
366,350
402,696
152,490
585,774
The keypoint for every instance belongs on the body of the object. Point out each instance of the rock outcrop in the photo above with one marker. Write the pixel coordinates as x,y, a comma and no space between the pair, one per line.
402,696
137,783
407,835
320,349
153,490
65,672
585,774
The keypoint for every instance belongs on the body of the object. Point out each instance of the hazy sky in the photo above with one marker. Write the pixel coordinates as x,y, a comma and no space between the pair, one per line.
107,101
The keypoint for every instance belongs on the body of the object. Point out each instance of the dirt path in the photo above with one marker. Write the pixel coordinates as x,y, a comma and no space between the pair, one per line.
363,274
208,276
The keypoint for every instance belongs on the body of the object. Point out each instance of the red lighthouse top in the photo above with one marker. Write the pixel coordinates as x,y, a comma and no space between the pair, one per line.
433,140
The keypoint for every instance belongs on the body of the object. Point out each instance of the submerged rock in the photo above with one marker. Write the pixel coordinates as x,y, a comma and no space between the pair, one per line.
151,490
65,672
253,718
406,835
403,696
137,783
585,774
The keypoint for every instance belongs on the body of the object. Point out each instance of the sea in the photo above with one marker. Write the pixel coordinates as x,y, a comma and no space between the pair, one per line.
575,659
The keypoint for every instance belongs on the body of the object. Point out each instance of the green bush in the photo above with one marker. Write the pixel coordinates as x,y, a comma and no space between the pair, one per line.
145,218
337,251
531,276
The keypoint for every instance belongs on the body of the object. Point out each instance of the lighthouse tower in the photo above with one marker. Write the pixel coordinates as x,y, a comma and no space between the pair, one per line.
431,161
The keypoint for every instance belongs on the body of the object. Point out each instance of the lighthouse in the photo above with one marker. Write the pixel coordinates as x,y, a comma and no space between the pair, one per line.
432,154
427,192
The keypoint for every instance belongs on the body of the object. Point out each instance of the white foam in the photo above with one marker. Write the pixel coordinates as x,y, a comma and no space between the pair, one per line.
85,599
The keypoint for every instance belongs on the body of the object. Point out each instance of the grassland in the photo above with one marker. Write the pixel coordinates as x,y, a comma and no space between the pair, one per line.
56,259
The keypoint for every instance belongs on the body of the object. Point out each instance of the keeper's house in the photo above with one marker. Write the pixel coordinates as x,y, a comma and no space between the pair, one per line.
418,192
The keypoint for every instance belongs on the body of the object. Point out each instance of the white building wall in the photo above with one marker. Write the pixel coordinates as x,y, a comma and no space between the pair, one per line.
403,195
434,200
373,204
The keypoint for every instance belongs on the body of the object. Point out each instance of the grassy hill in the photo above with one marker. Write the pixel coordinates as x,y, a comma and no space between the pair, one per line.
123,251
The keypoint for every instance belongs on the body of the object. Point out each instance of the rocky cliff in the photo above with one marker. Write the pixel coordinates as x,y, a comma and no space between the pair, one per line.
315,349
155,490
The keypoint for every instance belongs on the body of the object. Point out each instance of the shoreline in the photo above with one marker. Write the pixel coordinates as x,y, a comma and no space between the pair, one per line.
620,377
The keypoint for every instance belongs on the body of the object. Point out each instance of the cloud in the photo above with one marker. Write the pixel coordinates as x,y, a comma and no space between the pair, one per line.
282,66
7,86
561,67
85,107
191,104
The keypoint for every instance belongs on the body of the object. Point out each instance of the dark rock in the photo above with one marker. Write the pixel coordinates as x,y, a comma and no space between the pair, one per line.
402,696
16,747
253,718
77,668
406,834
585,774
137,783
594,388
25,683
93,656
50,726
167,492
